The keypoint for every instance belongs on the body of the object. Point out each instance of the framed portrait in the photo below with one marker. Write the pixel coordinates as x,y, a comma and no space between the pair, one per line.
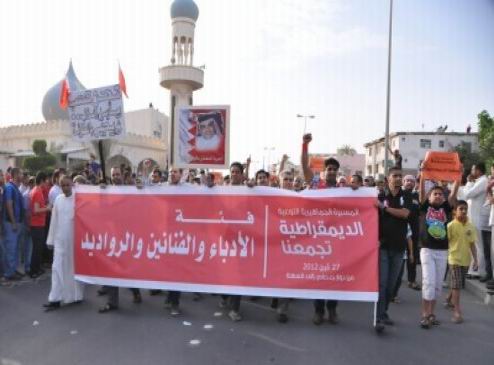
201,137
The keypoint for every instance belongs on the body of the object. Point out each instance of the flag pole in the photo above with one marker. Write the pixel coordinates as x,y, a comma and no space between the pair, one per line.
388,90
102,160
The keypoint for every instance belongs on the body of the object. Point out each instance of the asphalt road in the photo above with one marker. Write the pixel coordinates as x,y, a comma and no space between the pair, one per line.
145,333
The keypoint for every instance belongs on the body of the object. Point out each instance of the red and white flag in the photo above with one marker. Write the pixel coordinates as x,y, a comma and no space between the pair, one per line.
121,82
64,94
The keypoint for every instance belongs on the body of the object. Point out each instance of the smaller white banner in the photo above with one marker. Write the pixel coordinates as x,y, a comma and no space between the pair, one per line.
97,114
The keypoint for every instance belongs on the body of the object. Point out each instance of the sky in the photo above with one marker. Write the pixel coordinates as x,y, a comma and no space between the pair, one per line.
270,60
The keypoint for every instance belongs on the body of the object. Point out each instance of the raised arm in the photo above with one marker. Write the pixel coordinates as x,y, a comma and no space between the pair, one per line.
283,163
422,196
454,193
247,168
308,174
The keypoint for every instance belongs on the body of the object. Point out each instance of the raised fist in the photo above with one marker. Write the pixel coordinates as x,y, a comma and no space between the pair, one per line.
307,138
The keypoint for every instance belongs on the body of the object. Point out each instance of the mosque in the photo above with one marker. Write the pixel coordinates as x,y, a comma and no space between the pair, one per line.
148,130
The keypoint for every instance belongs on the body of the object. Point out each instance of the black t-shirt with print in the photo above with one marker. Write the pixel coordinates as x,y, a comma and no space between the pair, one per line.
393,230
436,222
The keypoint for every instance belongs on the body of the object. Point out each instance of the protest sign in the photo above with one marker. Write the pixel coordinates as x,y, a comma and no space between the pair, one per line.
441,166
316,163
97,114
259,241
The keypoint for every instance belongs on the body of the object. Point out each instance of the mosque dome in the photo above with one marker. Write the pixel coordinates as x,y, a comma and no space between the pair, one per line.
51,101
184,9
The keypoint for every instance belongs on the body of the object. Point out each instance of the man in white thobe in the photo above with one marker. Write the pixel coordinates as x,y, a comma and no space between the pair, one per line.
61,237
478,212
55,190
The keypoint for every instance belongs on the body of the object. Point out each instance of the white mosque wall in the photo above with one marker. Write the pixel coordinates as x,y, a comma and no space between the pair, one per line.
145,139
147,122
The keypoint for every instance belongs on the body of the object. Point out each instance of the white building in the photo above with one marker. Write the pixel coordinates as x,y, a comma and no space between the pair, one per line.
412,147
146,136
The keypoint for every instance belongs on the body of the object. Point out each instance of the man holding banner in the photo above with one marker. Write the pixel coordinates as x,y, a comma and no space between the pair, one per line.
233,301
173,298
331,166
112,291
394,209
61,238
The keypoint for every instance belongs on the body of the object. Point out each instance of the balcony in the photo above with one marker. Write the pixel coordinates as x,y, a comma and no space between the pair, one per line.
183,74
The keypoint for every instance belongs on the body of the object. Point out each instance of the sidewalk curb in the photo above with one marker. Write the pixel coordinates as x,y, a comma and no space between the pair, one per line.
479,290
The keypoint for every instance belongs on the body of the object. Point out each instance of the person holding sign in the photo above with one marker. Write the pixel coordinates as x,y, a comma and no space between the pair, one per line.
394,205
232,302
434,252
61,239
112,291
331,167
172,301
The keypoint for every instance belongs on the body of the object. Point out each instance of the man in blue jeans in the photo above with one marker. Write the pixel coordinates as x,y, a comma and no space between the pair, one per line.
394,208
12,218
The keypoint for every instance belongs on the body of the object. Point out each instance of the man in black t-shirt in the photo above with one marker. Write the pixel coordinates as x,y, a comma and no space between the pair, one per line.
414,222
394,208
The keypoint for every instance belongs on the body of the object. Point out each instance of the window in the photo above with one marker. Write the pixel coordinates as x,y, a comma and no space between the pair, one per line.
441,144
370,151
403,139
425,143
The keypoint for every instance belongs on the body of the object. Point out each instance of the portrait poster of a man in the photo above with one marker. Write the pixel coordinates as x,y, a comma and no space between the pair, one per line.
201,137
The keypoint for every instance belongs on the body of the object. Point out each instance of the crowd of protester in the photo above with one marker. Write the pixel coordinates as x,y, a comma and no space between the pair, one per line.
446,228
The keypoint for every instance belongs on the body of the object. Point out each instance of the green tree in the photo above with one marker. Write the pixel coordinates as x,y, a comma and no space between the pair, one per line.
42,161
486,137
467,157
346,150
39,147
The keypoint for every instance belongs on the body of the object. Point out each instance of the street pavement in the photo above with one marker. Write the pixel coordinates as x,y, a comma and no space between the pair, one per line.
146,334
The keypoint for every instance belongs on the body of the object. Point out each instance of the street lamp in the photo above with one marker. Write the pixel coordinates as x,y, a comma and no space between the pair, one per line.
305,120
388,91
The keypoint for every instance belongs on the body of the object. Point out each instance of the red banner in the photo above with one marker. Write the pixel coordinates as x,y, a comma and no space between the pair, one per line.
253,241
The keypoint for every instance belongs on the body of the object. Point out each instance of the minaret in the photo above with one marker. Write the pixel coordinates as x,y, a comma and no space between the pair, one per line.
181,77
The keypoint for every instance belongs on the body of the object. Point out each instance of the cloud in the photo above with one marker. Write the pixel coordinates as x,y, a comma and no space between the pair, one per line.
285,33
